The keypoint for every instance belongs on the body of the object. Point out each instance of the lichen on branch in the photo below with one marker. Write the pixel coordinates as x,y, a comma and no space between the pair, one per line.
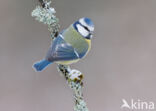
46,15
74,79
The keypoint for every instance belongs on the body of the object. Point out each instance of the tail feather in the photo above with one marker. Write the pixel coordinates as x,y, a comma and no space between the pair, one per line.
39,66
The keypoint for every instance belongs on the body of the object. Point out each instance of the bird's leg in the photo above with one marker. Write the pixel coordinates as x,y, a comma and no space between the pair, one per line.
74,79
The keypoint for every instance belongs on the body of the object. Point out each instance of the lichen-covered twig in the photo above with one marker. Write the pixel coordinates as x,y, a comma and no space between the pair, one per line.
74,80
45,14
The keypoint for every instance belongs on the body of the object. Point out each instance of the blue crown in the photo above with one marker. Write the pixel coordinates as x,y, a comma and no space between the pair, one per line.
88,21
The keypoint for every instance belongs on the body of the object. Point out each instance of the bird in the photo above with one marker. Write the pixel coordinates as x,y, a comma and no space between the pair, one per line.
70,46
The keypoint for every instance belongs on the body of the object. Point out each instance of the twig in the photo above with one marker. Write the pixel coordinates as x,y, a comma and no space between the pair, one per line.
45,14
42,2
74,80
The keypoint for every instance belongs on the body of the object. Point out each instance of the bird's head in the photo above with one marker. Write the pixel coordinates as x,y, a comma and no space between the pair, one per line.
85,27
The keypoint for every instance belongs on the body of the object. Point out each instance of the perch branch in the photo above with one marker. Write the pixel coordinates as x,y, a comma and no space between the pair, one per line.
74,80
45,14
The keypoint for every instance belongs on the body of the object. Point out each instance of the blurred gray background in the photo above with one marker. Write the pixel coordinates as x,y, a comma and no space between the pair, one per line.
121,64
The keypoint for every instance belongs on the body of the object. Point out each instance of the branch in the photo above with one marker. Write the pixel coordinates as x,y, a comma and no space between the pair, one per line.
74,80
46,15
42,2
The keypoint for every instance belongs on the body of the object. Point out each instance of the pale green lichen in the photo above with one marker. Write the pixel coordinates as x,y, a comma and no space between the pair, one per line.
74,80
45,14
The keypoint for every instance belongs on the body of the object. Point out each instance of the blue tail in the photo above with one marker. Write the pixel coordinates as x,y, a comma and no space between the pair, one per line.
39,66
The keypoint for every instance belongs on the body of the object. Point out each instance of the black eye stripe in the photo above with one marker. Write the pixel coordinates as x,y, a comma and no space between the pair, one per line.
81,25
84,27
89,35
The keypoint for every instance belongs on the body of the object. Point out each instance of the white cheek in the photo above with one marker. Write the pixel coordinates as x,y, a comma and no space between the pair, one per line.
91,29
82,30
84,23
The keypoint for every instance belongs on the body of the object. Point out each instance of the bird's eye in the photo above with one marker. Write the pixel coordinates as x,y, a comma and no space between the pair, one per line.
86,28
87,23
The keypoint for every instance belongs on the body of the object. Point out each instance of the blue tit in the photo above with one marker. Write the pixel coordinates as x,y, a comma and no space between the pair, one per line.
69,46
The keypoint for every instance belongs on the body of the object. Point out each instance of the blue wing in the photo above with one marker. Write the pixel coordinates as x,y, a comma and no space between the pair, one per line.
61,51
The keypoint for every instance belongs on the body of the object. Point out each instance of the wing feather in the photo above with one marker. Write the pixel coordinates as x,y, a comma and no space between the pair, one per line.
61,51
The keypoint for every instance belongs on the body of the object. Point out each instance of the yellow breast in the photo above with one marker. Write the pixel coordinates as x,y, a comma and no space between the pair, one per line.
89,44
